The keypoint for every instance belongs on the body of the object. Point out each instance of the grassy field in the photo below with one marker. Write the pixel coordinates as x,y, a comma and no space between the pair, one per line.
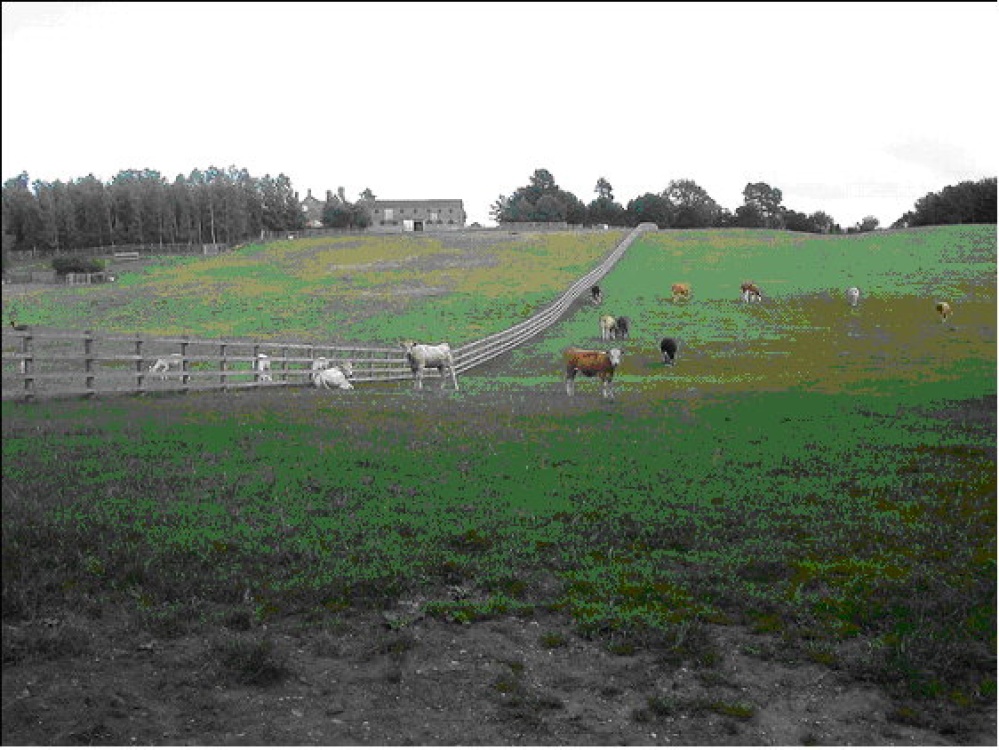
823,474
356,289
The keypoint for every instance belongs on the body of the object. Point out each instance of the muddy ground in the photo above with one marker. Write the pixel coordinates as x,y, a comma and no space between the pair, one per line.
397,677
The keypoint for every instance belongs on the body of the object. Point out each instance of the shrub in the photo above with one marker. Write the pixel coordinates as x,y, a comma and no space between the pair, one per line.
252,660
63,264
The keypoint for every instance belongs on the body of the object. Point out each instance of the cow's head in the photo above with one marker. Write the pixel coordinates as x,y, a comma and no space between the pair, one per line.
615,356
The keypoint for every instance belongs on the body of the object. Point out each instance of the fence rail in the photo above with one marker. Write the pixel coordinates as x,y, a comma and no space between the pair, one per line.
40,363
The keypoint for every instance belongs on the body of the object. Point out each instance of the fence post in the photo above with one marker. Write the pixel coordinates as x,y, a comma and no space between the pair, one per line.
253,364
223,365
284,364
140,371
184,375
28,365
88,362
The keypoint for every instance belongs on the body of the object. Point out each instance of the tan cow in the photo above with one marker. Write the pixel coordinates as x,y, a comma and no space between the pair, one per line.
681,291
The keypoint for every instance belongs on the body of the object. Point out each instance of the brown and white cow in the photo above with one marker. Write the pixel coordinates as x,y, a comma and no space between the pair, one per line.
750,292
681,291
592,363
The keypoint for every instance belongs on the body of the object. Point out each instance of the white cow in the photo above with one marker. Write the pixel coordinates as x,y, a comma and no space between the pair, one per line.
327,375
608,327
163,365
853,296
421,356
263,367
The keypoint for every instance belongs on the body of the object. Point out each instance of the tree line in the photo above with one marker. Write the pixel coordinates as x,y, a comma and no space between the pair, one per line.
686,205
140,207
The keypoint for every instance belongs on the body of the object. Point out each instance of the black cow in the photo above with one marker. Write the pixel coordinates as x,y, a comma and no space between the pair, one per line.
622,327
669,346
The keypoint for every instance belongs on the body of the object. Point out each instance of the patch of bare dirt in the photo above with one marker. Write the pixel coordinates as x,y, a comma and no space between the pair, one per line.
396,679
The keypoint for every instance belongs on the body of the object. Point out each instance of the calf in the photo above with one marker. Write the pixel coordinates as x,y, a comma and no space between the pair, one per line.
163,365
852,296
944,311
591,363
262,366
669,346
596,295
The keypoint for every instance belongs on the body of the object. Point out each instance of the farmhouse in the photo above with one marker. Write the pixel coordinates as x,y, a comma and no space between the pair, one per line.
394,215
417,215
312,207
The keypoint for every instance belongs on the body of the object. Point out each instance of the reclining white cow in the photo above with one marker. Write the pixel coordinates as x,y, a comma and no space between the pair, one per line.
327,375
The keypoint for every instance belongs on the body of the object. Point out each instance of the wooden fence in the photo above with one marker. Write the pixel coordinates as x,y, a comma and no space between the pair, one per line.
39,363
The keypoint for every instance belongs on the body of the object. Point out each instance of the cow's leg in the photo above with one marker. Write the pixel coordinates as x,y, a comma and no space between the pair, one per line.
570,382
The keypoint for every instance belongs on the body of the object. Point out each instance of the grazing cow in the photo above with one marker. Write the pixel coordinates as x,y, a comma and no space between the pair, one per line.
669,346
262,365
591,363
164,364
608,327
421,356
852,296
750,292
326,375
596,295
944,310
681,291
622,327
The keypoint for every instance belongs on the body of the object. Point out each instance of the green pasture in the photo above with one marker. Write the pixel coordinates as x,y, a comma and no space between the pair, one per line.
824,474
803,333
352,289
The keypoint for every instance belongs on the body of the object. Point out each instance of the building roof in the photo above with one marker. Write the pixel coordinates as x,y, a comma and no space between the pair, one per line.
456,202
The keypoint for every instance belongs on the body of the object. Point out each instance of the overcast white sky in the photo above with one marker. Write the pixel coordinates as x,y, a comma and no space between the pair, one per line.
854,109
